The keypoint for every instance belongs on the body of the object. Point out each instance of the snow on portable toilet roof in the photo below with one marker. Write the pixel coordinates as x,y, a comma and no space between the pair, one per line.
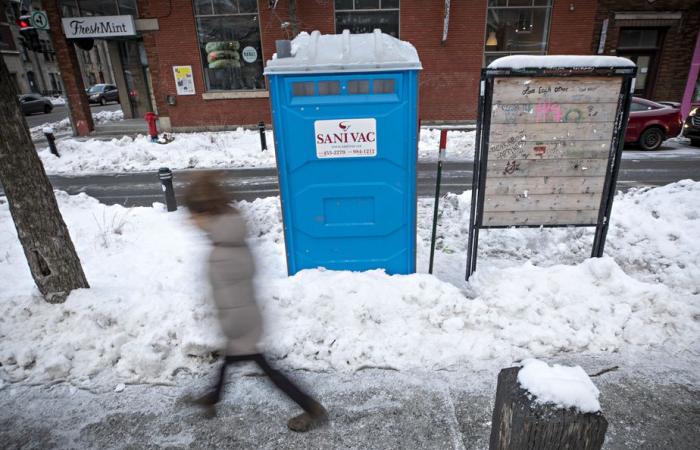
559,61
345,53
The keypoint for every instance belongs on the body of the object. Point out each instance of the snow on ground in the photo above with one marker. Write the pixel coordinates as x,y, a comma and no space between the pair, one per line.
535,295
63,125
58,101
239,148
566,387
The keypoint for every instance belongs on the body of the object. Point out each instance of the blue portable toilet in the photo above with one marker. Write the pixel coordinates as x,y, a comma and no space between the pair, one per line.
344,110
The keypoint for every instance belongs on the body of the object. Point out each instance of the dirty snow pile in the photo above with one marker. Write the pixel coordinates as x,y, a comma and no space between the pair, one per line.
565,387
146,317
63,125
239,148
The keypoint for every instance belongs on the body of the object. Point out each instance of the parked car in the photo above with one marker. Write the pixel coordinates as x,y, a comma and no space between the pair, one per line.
691,128
651,123
35,103
103,94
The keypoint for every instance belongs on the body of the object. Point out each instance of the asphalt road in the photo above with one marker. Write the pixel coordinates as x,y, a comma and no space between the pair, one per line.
142,189
61,112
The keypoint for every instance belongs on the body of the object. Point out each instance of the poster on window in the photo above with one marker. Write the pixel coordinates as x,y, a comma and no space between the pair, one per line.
184,80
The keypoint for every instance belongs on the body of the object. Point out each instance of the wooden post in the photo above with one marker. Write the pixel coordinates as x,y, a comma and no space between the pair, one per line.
520,423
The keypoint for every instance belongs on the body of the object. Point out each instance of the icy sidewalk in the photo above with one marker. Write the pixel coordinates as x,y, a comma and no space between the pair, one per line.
648,405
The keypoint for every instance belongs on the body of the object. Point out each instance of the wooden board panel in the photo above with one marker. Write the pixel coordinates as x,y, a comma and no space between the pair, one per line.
534,132
541,202
517,149
517,90
546,112
545,168
544,185
540,218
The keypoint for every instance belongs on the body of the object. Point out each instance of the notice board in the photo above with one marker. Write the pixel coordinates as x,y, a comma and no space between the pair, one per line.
549,142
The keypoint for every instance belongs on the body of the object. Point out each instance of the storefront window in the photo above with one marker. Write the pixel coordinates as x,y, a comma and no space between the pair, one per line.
516,26
229,40
363,16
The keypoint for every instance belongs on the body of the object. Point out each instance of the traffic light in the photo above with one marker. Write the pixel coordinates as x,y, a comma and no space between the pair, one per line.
28,34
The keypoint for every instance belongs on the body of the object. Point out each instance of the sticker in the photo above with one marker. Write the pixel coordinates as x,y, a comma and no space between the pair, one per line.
345,138
249,54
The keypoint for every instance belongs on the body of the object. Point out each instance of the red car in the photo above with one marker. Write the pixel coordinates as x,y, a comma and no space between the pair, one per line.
651,123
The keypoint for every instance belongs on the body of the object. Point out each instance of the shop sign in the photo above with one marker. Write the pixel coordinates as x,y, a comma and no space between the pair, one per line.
184,80
345,138
98,27
250,55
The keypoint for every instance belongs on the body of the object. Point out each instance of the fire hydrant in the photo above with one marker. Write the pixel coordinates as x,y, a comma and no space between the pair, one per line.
151,118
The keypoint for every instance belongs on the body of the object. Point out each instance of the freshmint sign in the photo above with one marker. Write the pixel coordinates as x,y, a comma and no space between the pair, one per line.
98,26
347,138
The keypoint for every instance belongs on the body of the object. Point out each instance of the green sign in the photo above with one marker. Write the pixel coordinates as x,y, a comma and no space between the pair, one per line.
40,20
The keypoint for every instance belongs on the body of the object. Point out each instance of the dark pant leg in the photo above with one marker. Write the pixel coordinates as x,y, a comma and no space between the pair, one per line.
220,383
285,384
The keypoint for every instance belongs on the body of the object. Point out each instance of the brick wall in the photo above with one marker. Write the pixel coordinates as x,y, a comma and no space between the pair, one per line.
449,81
679,39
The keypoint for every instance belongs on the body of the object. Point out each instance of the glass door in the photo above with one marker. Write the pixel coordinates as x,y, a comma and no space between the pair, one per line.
134,64
642,46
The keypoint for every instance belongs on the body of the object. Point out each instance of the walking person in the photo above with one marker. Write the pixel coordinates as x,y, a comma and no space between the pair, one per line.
231,272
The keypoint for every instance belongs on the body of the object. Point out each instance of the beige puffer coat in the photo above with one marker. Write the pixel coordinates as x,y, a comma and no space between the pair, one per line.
231,272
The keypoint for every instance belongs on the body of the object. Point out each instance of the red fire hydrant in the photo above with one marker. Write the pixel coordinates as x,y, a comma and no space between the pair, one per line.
151,118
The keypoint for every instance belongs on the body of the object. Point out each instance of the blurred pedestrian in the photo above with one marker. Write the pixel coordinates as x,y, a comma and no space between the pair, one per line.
231,272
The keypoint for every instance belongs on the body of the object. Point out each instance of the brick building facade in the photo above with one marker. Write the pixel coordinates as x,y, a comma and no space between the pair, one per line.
226,43
659,36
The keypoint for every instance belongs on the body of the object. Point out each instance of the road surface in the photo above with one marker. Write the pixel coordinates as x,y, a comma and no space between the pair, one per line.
60,112
142,189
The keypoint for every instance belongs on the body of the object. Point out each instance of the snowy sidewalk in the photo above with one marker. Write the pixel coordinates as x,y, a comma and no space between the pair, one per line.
647,406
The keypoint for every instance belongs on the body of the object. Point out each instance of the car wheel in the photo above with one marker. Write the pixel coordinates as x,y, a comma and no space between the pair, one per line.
103,101
695,142
651,138
47,109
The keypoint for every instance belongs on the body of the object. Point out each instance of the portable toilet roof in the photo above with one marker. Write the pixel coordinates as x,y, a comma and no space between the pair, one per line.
323,53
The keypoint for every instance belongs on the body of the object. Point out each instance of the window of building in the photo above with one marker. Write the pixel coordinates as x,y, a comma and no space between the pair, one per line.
78,8
516,26
229,41
363,16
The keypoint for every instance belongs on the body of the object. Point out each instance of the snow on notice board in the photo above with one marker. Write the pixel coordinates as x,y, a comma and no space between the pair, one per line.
345,53
548,149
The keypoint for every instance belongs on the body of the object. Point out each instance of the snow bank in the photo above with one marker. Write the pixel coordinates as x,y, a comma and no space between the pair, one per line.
146,317
240,148
63,125
558,61
565,387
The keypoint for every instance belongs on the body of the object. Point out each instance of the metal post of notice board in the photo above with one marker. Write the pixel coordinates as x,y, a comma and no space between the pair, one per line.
548,145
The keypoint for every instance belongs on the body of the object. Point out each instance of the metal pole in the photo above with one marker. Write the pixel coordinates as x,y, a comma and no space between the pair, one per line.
611,178
441,156
263,141
166,181
51,139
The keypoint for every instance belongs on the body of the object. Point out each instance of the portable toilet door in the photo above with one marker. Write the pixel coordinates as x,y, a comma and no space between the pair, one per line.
344,111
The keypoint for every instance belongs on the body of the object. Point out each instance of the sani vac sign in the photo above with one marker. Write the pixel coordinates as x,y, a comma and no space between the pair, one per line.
346,138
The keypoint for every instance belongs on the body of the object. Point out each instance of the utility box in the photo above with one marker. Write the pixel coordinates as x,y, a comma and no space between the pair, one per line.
344,110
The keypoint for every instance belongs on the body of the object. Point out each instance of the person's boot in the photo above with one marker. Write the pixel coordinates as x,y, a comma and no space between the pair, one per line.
308,420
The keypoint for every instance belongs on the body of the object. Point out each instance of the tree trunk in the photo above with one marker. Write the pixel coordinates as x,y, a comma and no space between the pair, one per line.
44,236
521,424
